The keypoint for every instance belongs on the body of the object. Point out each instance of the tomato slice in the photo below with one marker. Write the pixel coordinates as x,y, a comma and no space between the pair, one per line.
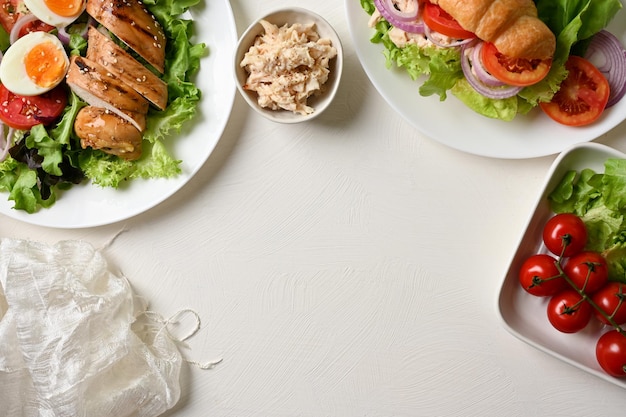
35,26
440,21
520,72
8,14
21,112
582,97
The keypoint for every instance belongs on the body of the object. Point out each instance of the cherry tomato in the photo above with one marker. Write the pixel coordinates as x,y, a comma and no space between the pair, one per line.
438,20
611,353
22,112
568,312
540,276
565,234
519,72
582,96
588,270
8,14
612,300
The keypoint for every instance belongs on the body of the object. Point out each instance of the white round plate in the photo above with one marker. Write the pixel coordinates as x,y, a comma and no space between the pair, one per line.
88,205
454,125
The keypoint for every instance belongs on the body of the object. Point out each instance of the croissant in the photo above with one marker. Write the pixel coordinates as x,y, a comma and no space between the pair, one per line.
511,25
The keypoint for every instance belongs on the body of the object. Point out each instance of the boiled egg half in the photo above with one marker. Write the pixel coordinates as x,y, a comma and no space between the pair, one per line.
57,13
34,64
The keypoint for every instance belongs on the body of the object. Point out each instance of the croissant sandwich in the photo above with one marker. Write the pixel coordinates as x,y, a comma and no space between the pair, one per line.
511,25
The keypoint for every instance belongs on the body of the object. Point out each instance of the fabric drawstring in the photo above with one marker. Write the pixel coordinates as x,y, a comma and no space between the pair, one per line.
175,319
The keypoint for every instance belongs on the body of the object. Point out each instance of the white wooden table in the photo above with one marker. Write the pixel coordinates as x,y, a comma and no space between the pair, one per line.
345,267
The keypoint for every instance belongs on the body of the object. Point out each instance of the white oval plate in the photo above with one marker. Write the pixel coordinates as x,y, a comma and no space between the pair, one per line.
520,311
88,205
454,125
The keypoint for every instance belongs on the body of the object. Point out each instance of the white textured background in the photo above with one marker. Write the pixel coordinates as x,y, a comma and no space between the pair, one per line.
346,267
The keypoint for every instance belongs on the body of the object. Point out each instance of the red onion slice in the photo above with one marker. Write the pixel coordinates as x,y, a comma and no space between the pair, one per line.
22,21
497,92
391,15
479,68
433,36
401,15
607,53
5,143
64,35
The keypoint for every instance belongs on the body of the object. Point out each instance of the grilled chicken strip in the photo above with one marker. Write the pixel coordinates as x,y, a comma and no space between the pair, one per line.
101,49
134,25
100,129
98,87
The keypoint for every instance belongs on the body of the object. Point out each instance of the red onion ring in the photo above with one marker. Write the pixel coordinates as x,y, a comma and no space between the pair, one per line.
479,68
499,92
402,16
432,36
22,21
607,53
397,18
5,142
64,35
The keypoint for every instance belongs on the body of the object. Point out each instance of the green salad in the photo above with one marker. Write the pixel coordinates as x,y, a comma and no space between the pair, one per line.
573,22
43,161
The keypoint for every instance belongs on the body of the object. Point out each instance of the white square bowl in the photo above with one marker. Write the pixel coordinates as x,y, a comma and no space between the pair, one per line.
524,315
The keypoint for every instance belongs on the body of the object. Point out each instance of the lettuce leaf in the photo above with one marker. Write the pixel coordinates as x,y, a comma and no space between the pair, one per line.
575,20
600,201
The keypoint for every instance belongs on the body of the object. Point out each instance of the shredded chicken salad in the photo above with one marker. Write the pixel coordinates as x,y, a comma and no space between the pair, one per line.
287,65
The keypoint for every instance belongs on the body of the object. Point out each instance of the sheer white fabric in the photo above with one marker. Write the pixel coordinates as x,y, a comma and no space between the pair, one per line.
74,340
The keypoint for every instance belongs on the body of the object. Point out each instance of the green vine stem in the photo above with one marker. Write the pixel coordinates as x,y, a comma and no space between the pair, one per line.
586,297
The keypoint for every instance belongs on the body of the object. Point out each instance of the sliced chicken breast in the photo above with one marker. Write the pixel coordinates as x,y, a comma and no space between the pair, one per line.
134,25
98,128
98,87
101,49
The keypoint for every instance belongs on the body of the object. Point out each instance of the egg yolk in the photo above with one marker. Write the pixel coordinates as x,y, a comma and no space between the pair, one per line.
45,64
65,8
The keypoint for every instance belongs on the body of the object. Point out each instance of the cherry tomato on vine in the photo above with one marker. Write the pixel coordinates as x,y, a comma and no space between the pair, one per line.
588,271
611,298
568,312
540,276
565,234
440,21
520,72
582,96
611,353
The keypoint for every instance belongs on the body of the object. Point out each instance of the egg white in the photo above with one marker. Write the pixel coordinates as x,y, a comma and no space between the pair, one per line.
13,71
43,13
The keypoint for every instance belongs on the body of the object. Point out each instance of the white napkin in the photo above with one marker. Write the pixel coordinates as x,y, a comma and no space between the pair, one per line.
74,340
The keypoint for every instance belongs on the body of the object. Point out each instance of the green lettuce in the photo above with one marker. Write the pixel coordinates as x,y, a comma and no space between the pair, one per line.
599,199
574,22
